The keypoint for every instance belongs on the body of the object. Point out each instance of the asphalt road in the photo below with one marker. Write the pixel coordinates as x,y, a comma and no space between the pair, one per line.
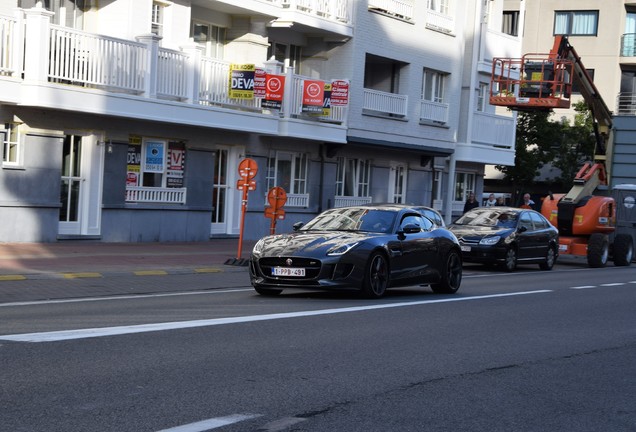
527,351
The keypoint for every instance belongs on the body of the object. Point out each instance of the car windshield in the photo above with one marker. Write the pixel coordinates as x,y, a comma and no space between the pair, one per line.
489,218
352,219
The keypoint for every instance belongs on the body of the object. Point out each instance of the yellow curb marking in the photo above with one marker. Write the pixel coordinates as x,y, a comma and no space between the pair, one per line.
151,273
208,270
12,277
81,275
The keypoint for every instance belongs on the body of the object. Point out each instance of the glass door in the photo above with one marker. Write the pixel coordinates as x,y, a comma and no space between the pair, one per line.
220,192
71,193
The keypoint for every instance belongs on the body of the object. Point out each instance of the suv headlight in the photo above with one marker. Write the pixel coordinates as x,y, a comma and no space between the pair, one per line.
489,241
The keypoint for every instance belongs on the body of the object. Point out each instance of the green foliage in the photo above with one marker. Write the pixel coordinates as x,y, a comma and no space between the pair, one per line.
541,141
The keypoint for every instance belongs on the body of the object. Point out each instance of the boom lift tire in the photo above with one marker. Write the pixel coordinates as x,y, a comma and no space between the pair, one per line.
597,250
623,250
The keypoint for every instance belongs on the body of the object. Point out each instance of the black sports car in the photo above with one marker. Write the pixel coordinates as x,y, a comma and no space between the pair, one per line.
507,236
369,248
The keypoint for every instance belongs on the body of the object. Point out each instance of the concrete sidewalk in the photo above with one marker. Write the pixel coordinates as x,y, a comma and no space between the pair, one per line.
87,259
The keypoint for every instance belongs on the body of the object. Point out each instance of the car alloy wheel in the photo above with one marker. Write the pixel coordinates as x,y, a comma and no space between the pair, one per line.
510,262
376,278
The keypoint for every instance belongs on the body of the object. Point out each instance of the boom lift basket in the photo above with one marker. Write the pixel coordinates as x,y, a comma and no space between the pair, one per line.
534,81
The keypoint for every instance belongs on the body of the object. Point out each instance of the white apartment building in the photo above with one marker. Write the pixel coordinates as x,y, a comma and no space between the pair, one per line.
119,120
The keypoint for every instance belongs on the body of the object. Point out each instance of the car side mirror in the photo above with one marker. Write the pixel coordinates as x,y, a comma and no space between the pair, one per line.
298,225
411,228
522,229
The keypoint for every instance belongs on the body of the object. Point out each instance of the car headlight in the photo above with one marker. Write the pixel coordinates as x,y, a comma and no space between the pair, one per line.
489,241
342,249
258,247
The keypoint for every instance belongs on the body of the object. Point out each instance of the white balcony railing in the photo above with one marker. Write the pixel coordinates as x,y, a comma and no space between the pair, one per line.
142,194
440,22
494,130
98,61
8,33
346,201
435,112
337,10
385,103
172,76
398,8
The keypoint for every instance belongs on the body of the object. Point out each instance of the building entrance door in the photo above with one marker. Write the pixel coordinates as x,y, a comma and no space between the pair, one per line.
225,213
80,190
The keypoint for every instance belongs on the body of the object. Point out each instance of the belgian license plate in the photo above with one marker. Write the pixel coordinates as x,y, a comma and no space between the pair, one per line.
288,271
563,248
465,248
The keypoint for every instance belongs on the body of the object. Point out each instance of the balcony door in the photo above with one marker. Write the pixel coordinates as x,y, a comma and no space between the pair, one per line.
226,199
80,188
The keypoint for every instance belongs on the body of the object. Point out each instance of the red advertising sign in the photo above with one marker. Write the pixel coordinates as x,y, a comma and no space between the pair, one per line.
260,77
313,95
339,92
274,91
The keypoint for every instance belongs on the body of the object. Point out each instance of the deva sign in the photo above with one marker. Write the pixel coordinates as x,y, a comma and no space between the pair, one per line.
242,81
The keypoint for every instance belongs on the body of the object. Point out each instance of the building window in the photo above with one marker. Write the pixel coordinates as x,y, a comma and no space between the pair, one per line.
289,171
211,37
510,23
576,23
433,86
441,6
156,163
288,54
11,144
576,88
353,177
68,13
482,97
156,20
464,185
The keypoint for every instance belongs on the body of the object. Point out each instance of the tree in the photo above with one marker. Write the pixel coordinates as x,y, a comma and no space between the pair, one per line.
534,147
577,145
541,141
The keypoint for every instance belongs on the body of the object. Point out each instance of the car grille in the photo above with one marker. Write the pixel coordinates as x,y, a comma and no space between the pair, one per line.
311,266
468,241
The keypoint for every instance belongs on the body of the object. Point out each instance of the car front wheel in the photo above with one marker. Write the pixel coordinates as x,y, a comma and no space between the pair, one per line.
376,276
510,261
451,274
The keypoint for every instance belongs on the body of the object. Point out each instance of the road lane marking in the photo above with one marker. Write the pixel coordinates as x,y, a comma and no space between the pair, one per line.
62,335
121,297
212,423
613,284
583,287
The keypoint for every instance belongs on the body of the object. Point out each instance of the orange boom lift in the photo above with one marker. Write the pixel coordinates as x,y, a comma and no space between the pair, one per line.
586,222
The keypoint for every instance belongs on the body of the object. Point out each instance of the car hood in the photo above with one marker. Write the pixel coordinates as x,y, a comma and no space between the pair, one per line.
479,231
308,243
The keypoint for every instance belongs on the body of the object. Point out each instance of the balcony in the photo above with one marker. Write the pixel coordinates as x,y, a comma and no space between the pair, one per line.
433,112
493,130
626,103
498,44
385,104
401,9
138,194
440,22
347,201
74,70
628,45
